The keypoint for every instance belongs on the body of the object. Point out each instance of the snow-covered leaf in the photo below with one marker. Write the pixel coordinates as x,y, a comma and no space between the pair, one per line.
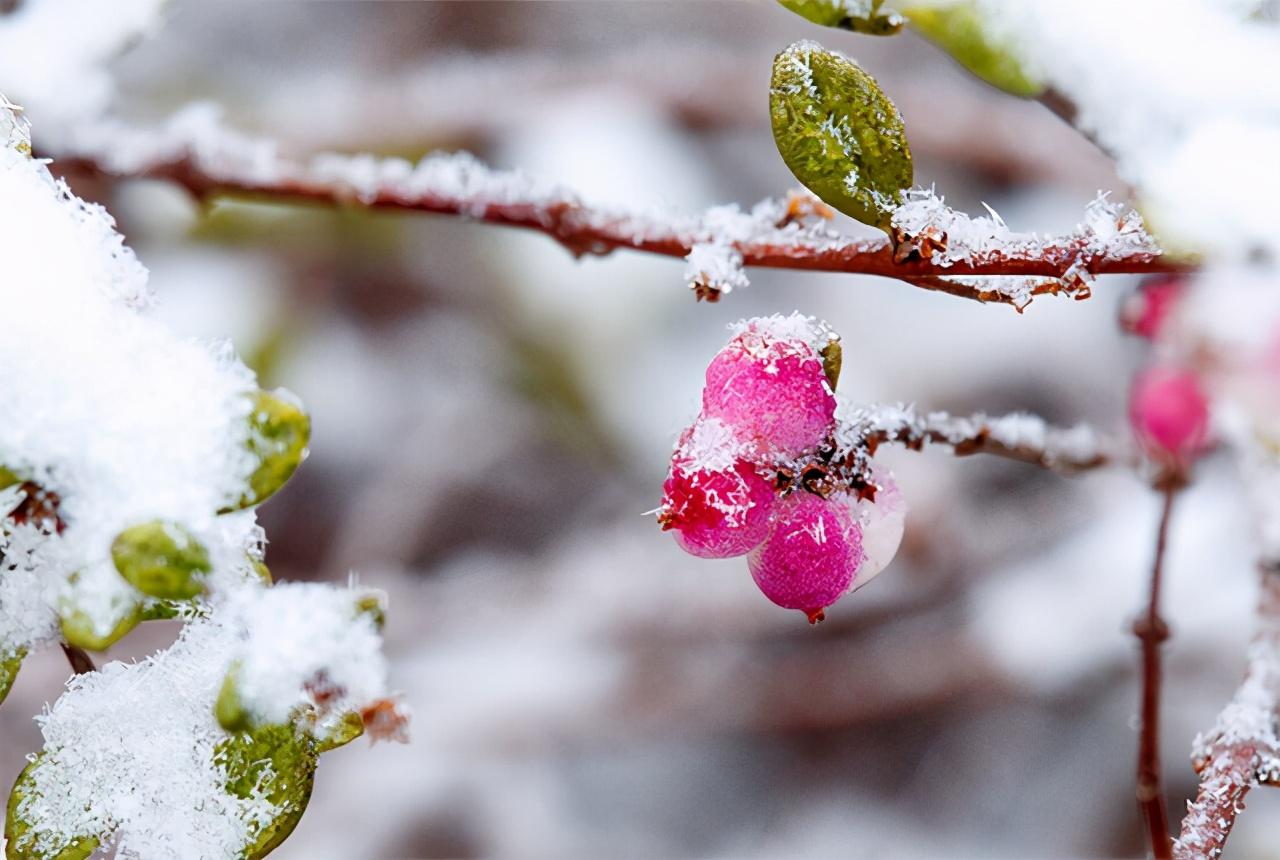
861,16
839,133
961,30
275,762
278,434
24,840
10,663
161,559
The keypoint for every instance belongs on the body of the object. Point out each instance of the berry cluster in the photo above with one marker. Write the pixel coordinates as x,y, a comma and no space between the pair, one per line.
769,403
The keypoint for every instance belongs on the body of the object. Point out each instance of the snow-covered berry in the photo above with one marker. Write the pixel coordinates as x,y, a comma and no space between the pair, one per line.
1169,412
714,499
770,386
812,554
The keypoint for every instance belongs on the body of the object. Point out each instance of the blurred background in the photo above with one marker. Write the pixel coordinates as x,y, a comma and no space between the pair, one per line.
492,418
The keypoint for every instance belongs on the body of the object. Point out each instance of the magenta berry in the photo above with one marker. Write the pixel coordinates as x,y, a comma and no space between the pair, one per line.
1169,412
768,384
717,503
1147,311
812,554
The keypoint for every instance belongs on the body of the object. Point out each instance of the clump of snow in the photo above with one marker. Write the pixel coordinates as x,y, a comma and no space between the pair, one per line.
715,266
125,421
783,329
1108,229
53,54
1196,139
300,640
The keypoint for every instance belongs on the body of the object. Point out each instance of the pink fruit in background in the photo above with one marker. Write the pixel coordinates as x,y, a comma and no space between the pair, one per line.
716,502
1169,412
812,554
1146,311
768,384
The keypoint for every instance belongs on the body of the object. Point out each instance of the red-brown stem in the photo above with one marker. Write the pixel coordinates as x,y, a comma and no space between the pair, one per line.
81,662
585,231
1151,632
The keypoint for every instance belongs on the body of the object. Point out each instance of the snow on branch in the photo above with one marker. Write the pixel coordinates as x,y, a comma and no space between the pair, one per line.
1017,436
1242,750
195,150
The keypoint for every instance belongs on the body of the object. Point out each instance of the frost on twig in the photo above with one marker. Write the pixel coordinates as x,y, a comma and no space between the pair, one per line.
1242,750
1018,436
197,151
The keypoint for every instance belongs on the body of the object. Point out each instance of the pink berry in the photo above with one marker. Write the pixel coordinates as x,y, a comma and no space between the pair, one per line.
1169,412
883,522
811,556
768,384
716,501
1146,312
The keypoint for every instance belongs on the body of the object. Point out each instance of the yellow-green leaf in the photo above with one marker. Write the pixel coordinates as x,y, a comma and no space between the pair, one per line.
341,732
861,16
10,663
79,629
278,434
839,133
161,559
960,30
229,709
24,840
275,761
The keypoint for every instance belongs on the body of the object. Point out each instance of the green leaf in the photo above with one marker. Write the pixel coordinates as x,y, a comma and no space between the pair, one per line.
278,434
79,629
8,478
161,559
832,359
229,709
960,30
861,16
839,133
371,605
10,663
341,732
24,840
278,762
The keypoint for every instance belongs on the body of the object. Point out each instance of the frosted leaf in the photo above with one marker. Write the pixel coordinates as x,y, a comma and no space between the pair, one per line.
961,29
832,123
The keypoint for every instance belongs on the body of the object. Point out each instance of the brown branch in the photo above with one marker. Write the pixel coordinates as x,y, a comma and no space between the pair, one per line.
198,154
1152,631
1242,750
81,662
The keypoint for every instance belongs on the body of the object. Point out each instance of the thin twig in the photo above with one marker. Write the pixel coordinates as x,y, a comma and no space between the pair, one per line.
81,662
1241,751
1152,631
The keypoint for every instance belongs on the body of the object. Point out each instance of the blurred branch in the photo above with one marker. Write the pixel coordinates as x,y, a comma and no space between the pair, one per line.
1241,751
195,151
1152,631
